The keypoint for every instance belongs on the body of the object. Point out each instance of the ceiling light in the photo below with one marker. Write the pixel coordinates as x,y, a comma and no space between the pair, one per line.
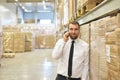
44,6
28,4
23,7
27,10
43,11
20,4
16,0
43,2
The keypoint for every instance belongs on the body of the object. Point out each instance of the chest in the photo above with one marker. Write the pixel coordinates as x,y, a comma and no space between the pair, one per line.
78,53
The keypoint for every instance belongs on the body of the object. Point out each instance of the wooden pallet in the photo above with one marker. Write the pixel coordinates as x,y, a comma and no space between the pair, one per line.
8,51
19,51
8,55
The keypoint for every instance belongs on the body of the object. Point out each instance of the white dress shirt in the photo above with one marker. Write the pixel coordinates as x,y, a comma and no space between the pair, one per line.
80,58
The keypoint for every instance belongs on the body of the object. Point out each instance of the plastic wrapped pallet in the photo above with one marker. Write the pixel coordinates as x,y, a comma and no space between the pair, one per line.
98,64
0,47
8,42
45,41
118,20
117,32
94,62
111,38
112,75
119,52
28,46
50,41
84,32
101,29
37,42
19,37
104,47
103,69
112,41
28,36
10,29
28,41
90,4
111,24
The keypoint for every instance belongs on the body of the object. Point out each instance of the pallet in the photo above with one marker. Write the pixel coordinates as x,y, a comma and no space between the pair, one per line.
8,55
19,51
6,51
89,5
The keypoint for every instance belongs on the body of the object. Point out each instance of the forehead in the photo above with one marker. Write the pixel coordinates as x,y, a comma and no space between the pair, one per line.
73,26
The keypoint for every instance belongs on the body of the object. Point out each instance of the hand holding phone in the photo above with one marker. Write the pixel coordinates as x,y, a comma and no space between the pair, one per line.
66,36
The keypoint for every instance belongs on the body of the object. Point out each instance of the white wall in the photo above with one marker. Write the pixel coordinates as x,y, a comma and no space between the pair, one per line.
8,14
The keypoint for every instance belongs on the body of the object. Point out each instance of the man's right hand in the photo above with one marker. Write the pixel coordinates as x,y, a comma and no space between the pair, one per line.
66,36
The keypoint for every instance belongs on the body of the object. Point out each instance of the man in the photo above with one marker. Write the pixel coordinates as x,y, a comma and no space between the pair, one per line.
80,55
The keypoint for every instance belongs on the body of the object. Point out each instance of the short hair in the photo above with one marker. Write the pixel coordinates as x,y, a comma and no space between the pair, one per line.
75,23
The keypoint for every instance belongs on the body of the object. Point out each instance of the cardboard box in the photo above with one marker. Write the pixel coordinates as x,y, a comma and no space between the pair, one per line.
28,45
10,29
8,41
84,32
113,68
112,75
117,32
114,50
111,38
19,42
111,24
45,41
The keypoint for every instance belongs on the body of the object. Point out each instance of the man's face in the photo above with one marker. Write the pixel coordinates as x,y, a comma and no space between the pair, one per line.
74,31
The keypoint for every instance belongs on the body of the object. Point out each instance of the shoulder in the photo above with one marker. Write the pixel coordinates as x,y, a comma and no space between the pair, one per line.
60,41
83,43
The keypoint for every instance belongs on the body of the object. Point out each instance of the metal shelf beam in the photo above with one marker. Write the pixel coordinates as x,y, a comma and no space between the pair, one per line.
105,7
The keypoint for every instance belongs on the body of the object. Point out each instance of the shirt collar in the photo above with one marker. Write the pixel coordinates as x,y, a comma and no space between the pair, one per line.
76,40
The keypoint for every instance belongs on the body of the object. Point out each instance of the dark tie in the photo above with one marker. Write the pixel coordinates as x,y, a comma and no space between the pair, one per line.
70,59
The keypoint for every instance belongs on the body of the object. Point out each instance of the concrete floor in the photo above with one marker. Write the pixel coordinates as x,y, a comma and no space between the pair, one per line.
35,65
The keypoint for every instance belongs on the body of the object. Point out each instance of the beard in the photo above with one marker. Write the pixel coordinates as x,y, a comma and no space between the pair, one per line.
73,37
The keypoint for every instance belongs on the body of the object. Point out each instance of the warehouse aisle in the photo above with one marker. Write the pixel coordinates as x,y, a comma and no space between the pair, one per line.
35,65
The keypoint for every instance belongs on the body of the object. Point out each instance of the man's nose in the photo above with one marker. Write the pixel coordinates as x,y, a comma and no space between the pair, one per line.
73,31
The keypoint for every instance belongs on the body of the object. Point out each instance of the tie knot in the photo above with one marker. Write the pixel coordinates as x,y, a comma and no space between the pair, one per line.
73,41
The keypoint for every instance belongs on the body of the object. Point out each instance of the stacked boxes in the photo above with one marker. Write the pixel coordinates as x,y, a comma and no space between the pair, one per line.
10,29
8,41
28,41
90,4
112,40
105,48
28,46
44,41
98,64
84,30
19,42
0,45
84,6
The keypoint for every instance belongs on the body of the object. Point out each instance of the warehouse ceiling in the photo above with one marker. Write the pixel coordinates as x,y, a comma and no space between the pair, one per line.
29,0
34,5
39,7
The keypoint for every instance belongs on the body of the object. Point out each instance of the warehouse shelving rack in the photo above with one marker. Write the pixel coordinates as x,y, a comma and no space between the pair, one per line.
103,9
